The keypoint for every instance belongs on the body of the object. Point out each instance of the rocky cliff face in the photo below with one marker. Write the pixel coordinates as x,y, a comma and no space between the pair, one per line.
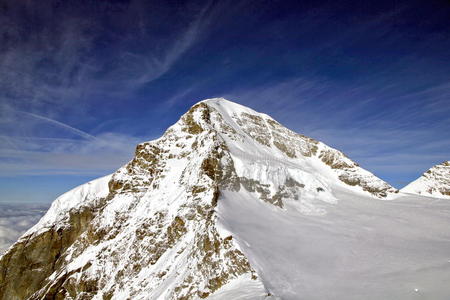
433,183
151,230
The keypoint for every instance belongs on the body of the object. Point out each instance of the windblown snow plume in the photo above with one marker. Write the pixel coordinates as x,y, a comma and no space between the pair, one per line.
229,204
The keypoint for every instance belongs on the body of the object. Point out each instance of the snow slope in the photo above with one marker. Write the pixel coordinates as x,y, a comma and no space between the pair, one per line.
259,144
229,204
433,183
361,249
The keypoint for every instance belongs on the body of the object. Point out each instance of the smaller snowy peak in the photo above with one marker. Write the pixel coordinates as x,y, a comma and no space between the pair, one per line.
433,183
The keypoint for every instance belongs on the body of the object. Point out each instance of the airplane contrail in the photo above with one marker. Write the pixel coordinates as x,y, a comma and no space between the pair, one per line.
63,125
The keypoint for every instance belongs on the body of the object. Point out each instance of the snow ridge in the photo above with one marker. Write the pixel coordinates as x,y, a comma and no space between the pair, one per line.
258,136
154,228
433,183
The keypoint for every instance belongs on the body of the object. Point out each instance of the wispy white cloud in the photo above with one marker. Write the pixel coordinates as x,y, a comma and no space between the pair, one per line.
132,70
398,144
182,44
60,149
55,73
60,65
49,156
62,125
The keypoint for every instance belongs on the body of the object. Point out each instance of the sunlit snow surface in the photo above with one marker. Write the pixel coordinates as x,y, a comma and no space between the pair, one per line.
361,249
433,183
336,244
330,241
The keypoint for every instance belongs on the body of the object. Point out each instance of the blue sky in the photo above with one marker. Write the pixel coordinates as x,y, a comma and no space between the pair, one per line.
82,82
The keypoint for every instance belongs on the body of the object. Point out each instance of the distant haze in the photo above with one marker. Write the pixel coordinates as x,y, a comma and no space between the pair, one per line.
15,219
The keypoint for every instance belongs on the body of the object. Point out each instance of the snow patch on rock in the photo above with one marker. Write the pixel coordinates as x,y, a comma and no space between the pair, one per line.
433,183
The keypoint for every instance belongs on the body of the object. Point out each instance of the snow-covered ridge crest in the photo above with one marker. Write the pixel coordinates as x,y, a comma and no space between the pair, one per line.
257,135
152,228
149,232
433,183
249,134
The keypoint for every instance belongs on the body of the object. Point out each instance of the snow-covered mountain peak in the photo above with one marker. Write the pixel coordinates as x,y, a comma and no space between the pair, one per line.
252,136
157,228
433,183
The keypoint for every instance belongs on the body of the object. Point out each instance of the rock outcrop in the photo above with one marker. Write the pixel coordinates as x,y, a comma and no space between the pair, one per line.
151,229
433,183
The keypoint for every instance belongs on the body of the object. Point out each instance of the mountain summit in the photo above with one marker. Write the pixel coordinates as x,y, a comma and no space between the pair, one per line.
433,183
227,204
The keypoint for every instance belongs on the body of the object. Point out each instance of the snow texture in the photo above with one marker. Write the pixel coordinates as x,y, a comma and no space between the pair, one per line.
229,204
433,183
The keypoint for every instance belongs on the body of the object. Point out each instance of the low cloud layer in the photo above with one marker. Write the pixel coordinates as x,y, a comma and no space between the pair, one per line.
16,219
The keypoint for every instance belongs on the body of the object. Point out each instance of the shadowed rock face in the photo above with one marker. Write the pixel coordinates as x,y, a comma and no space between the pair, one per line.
155,229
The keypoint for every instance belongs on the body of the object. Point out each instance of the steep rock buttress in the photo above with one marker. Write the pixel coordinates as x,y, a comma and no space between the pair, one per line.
150,230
